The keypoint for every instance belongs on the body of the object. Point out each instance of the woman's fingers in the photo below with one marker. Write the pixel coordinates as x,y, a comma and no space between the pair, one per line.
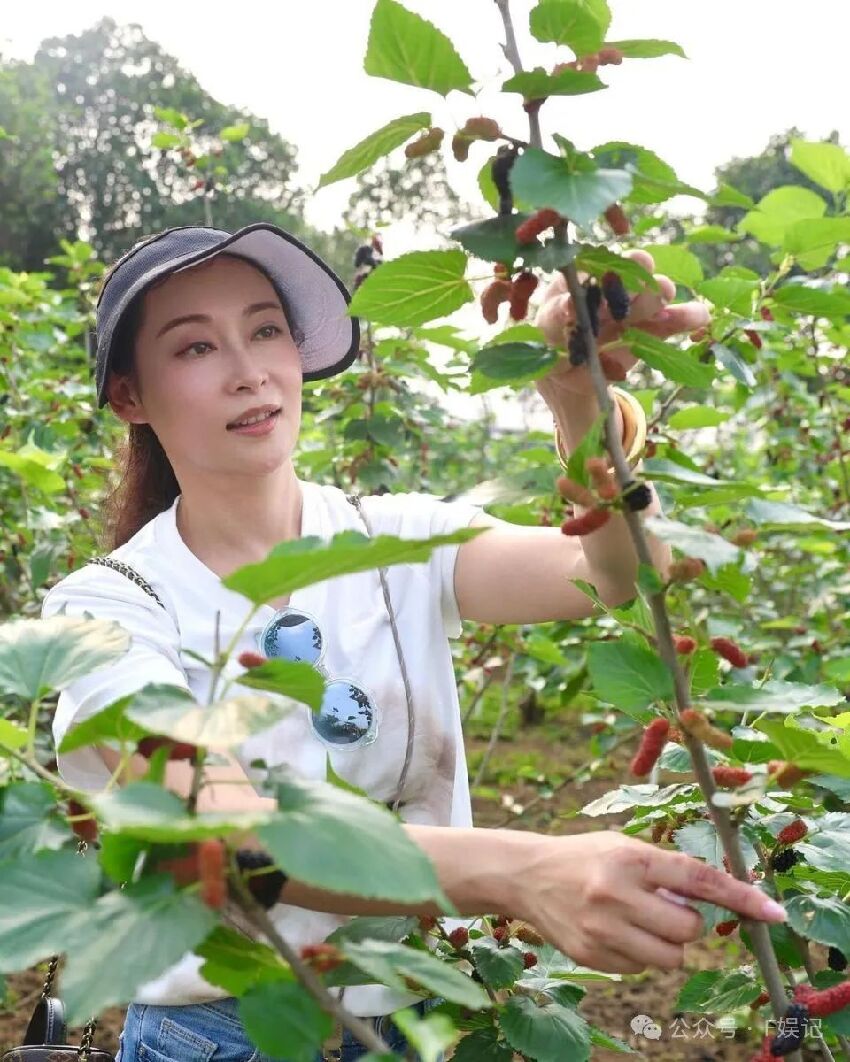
646,949
693,878
673,923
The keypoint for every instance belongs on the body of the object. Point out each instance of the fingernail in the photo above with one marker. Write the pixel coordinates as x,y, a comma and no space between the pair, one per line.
674,897
772,909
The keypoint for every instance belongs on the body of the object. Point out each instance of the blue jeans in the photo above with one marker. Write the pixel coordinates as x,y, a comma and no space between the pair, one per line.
213,1032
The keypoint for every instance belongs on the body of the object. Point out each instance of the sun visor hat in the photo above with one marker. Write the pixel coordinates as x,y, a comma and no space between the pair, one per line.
315,297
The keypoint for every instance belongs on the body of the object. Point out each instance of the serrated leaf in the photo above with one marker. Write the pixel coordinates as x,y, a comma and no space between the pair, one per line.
823,919
392,963
499,967
773,696
544,180
781,514
734,363
538,83
549,1033
697,417
284,1020
29,820
405,47
677,262
675,364
834,305
49,654
367,151
646,49
512,363
628,676
579,24
640,795
694,542
824,163
414,288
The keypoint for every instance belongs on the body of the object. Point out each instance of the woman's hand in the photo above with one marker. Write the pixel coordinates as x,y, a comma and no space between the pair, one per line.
649,312
595,897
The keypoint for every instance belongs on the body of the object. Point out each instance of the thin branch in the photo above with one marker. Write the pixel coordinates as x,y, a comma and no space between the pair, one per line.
497,728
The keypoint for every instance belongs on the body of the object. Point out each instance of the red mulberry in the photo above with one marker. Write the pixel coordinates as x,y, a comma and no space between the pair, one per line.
251,659
497,292
753,337
426,143
698,726
793,832
322,957
686,569
729,777
587,523
651,746
459,938
211,871
529,959
684,644
482,128
575,492
726,648
786,774
724,929
521,291
85,829
531,228
180,750
615,295
615,216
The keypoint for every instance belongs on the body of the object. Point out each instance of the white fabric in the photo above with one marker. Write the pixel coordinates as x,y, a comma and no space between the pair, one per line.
354,619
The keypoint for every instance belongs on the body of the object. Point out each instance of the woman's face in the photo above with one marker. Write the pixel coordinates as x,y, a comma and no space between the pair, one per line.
194,377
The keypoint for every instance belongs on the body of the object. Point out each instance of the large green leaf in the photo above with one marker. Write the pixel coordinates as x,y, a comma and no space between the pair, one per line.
494,239
646,49
546,180
483,1045
32,470
392,928
392,963
774,696
284,1020
510,363
694,542
781,514
549,1033
29,820
599,260
40,655
826,164
42,897
373,147
653,179
809,749
147,812
236,963
217,726
779,209
821,918
537,83
717,991
689,417
334,840
675,364
730,292
834,305
302,562
734,363
814,241
499,967
627,675
414,288
579,24
677,262
640,795
110,723
828,851
298,681
149,920
405,47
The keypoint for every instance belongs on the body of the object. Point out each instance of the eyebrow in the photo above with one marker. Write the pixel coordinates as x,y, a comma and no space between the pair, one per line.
203,318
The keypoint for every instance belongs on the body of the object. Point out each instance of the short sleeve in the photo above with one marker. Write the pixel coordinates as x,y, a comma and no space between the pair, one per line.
418,515
153,656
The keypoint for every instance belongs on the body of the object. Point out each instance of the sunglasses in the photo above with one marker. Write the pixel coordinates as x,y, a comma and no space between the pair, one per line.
348,716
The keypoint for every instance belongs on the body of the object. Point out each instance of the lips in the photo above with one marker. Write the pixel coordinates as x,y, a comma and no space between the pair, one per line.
263,412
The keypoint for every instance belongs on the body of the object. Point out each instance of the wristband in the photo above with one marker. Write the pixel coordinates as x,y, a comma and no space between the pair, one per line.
634,429
265,888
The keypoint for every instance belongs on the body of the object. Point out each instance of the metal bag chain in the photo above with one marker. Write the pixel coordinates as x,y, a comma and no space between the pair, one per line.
354,499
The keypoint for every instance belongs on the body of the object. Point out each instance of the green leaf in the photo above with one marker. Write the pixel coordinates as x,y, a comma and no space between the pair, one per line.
813,241
579,24
147,812
826,164
34,466
647,49
391,928
511,363
493,240
171,117
165,141
235,133
697,417
653,180
392,963
236,963
284,1020
49,654
12,735
483,1045
29,821
42,896
649,580
827,851
599,260
590,446
730,292
628,676
774,696
404,47
220,725
675,364
499,967
544,180
700,840
726,195
600,1038
717,991
375,146
149,920
808,749
293,679
676,262
823,919
537,83
779,209
780,514
331,839
710,234
109,723
301,562
734,363
640,795
549,1033
834,305
704,671
413,289
430,1035
694,542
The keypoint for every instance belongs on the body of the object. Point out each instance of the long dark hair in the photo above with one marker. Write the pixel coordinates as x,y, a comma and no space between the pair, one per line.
147,484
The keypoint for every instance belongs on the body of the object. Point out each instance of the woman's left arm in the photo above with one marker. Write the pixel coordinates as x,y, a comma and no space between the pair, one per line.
520,574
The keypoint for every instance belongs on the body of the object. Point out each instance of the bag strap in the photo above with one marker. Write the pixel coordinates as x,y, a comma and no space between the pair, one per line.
131,573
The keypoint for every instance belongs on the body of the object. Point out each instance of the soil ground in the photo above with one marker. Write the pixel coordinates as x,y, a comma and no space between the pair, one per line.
609,1005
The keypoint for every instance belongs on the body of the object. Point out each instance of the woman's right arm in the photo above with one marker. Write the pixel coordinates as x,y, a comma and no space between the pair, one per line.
594,896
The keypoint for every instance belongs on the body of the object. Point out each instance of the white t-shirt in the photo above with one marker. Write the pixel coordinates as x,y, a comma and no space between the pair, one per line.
359,645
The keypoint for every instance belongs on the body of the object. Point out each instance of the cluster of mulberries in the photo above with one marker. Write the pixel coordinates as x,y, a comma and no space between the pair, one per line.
783,861
368,257
516,292
429,141
539,222
479,128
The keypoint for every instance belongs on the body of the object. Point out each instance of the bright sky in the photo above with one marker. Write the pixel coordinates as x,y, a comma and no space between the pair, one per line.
754,67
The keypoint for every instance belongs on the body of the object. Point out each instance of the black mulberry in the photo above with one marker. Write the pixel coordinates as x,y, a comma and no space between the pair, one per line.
365,256
792,1030
637,495
577,347
593,299
615,295
836,959
499,171
784,860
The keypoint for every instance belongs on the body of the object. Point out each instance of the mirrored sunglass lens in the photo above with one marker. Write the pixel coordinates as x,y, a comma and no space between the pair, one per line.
293,637
347,715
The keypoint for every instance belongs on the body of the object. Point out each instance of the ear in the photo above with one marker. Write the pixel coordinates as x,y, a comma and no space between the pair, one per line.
124,399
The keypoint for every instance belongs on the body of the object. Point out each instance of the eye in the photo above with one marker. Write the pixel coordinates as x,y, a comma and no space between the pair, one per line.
192,346
274,328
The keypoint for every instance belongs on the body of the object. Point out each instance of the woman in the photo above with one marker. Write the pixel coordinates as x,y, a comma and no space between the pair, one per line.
204,340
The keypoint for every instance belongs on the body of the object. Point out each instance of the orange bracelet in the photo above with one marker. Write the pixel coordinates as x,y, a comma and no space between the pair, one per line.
634,429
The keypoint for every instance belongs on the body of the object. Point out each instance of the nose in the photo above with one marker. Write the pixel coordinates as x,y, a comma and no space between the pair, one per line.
247,367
